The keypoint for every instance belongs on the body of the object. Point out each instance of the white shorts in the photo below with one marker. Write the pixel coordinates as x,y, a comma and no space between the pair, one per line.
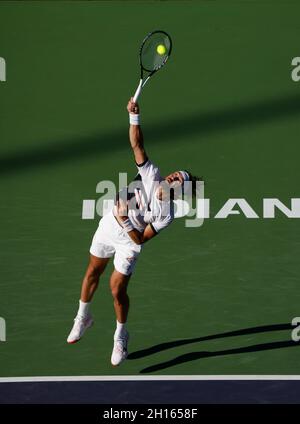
111,239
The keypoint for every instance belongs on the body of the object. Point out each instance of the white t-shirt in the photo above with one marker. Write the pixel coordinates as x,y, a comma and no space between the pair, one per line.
150,210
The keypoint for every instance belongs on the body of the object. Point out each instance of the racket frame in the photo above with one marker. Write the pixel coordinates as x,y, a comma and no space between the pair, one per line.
141,82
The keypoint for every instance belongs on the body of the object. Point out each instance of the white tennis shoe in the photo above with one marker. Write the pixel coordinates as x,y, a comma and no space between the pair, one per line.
80,326
120,352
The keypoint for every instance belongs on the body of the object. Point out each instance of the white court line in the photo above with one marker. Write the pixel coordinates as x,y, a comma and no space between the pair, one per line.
148,378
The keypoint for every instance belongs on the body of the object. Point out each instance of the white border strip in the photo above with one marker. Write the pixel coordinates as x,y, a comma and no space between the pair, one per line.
147,378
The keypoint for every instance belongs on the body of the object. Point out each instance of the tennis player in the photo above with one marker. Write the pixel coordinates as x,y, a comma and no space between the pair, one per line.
134,220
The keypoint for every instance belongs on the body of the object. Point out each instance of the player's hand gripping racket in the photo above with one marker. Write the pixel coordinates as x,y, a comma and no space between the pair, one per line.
154,53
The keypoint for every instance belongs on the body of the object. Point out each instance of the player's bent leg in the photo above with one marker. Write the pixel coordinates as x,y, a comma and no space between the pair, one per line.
125,260
118,285
90,281
83,319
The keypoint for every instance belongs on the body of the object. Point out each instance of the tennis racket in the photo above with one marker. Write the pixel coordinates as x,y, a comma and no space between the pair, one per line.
154,53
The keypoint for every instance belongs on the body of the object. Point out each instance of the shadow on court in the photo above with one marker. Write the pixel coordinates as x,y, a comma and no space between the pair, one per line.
200,123
199,355
169,345
192,356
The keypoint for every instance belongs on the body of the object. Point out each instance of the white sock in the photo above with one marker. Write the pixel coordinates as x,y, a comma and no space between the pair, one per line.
120,330
83,309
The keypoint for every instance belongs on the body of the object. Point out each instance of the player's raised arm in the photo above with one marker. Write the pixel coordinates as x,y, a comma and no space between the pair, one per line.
135,133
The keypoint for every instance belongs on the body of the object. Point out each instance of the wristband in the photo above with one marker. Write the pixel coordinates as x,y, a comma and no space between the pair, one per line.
134,119
127,225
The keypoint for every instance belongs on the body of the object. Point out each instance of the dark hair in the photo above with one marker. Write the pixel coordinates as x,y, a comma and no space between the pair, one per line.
194,179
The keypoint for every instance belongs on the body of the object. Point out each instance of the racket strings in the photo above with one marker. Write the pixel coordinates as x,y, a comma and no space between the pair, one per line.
151,59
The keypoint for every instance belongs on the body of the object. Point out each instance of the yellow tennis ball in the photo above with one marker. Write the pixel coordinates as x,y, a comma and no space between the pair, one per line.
161,49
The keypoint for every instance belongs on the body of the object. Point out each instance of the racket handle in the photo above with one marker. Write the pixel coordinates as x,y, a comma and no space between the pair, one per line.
138,91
